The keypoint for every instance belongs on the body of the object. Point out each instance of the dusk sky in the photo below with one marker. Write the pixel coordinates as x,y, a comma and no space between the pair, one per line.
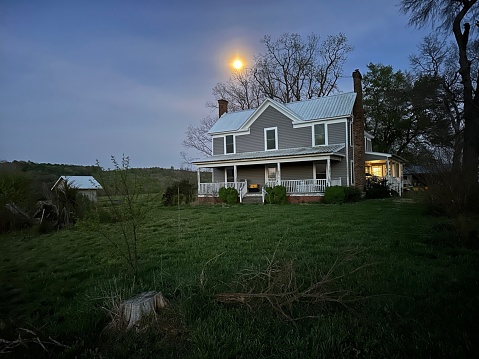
84,80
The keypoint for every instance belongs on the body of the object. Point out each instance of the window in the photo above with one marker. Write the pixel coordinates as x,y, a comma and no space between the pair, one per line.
320,170
270,138
230,174
271,173
319,134
377,171
229,144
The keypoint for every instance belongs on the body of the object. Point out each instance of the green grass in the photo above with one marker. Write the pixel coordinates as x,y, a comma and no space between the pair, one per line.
418,290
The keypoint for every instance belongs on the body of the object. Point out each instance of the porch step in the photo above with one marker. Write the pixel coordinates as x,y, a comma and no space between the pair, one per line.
252,199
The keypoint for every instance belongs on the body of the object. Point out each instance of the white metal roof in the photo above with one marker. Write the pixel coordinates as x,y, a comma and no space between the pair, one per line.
315,109
80,182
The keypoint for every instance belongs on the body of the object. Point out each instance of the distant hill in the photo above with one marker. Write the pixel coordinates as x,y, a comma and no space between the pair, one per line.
44,175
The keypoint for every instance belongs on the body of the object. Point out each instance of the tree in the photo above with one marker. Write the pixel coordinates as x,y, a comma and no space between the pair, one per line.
294,70
436,60
291,69
456,15
403,113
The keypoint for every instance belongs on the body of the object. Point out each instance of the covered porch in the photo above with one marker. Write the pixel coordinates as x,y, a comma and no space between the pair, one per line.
380,166
303,172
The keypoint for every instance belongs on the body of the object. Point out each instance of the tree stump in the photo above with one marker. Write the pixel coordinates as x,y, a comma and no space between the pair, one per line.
132,310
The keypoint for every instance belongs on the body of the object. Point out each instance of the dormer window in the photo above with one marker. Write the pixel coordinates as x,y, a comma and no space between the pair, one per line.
271,138
229,144
319,134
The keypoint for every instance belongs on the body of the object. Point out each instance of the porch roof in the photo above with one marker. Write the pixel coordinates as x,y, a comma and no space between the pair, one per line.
375,156
276,154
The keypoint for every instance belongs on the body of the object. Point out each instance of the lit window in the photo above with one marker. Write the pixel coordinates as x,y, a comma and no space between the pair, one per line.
271,138
229,144
319,135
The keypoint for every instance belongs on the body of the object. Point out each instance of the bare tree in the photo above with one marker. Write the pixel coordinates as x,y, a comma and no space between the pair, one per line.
456,15
241,91
197,136
291,69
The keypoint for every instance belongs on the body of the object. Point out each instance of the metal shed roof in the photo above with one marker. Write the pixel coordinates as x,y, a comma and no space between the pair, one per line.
315,109
79,182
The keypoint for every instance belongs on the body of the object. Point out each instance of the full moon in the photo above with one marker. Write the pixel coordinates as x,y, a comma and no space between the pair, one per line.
237,64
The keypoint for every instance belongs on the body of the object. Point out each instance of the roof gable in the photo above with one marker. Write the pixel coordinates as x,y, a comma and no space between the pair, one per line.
79,182
320,108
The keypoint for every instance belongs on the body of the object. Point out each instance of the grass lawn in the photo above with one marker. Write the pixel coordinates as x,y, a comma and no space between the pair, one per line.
406,288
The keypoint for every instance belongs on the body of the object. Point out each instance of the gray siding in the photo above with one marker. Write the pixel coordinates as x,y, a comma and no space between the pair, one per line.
337,133
339,169
296,171
287,136
218,146
254,174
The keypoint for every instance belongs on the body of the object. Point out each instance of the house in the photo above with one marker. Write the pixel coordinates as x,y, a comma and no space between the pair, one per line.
304,146
86,185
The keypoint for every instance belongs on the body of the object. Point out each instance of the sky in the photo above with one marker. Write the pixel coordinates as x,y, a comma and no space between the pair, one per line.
81,81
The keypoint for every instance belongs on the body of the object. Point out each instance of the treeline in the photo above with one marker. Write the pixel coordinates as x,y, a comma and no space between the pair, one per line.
24,185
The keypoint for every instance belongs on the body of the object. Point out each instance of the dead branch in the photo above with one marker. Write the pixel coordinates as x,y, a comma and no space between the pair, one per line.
278,286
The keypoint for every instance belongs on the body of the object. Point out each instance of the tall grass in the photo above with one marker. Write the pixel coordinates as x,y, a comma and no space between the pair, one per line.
420,291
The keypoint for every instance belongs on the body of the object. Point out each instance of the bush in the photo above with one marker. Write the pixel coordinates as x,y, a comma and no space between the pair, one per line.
335,194
181,192
353,194
276,195
340,194
228,195
377,188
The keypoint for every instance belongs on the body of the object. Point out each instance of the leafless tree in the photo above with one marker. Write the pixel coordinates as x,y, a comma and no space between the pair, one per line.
291,69
197,136
241,91
456,15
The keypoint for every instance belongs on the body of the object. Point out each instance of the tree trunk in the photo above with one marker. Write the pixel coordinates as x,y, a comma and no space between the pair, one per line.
132,310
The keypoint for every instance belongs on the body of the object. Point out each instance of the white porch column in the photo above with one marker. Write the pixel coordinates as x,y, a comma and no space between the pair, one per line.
198,176
278,173
328,172
235,171
387,169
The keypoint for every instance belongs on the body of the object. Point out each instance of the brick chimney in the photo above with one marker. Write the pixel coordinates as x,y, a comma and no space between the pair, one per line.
358,133
223,107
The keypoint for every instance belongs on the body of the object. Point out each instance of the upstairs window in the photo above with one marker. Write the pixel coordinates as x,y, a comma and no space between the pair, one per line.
319,135
271,138
229,144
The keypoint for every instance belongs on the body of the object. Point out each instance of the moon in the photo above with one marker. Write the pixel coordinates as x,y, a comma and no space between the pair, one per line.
237,64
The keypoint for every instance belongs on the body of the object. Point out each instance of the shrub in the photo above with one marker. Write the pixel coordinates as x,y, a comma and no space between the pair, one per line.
340,194
181,192
276,195
335,194
352,194
377,188
228,195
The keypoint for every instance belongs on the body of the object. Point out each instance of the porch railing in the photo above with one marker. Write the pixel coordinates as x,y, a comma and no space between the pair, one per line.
212,189
306,185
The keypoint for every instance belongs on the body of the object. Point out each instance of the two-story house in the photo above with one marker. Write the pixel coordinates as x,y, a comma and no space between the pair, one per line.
304,146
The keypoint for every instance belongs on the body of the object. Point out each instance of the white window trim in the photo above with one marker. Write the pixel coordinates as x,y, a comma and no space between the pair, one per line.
350,129
234,145
275,138
351,175
313,133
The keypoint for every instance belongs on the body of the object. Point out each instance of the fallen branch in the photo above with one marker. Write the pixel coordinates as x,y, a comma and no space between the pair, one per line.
8,346
278,286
